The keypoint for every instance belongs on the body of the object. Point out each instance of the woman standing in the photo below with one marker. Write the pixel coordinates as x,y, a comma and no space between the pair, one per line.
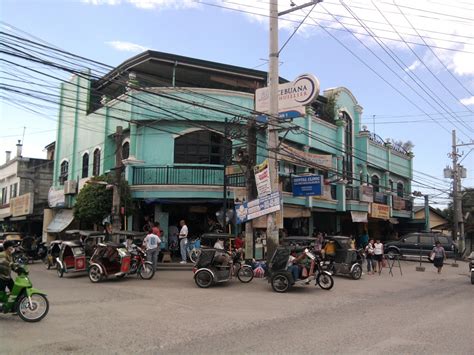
378,254
439,255
369,255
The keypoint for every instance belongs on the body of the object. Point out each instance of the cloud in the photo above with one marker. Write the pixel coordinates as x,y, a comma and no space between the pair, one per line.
147,4
468,101
414,65
102,2
127,46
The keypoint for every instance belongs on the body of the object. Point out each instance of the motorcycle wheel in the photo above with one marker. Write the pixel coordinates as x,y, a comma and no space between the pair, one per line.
280,283
95,275
146,271
356,273
59,270
325,281
194,255
36,311
203,279
245,274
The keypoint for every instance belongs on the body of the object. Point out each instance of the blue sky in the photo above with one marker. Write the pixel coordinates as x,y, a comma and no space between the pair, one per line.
111,31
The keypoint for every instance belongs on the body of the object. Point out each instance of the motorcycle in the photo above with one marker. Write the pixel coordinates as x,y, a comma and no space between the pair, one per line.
139,265
29,303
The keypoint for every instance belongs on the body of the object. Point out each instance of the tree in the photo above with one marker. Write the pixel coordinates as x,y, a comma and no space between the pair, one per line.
94,202
407,146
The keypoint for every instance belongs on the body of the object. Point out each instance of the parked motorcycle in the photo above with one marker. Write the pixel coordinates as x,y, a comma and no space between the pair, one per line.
29,303
139,265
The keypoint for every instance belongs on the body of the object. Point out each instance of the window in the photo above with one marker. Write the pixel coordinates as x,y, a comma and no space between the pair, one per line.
13,190
426,239
411,239
96,163
375,182
201,147
64,172
400,189
347,161
85,165
125,150
390,184
4,195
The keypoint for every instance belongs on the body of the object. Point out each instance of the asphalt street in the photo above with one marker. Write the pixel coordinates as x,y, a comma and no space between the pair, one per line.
417,313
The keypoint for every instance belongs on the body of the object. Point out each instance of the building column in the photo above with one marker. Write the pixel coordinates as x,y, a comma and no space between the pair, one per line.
341,187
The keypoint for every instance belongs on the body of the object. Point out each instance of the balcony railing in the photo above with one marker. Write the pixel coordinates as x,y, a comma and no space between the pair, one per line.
185,175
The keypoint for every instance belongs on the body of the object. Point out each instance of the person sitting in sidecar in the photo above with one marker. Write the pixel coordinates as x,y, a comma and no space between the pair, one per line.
293,266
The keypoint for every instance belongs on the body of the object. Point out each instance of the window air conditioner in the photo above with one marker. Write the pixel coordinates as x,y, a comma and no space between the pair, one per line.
70,187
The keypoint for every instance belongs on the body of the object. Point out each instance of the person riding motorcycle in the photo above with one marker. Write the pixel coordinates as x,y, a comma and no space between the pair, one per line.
6,263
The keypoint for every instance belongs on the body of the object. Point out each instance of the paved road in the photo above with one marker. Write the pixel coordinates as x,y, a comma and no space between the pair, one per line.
417,313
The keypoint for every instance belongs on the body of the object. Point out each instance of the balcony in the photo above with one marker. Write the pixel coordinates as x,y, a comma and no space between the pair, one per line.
185,175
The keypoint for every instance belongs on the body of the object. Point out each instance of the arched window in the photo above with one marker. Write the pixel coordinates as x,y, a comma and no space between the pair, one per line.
400,189
85,165
390,184
96,163
125,150
375,183
201,147
64,172
347,162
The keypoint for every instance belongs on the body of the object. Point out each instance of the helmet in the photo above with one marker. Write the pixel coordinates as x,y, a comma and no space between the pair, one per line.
8,243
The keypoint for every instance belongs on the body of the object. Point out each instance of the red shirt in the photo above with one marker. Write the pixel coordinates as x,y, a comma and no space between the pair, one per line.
239,243
156,230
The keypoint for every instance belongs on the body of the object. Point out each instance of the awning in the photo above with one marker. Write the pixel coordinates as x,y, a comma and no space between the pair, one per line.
359,217
295,212
61,221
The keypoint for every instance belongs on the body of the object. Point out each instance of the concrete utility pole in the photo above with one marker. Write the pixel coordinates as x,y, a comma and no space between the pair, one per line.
116,225
454,156
273,81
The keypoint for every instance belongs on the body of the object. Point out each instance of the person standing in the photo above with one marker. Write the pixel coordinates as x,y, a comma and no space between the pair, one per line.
369,256
151,243
156,229
6,263
439,255
378,255
183,240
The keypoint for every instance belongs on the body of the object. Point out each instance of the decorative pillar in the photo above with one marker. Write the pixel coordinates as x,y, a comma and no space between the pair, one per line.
341,187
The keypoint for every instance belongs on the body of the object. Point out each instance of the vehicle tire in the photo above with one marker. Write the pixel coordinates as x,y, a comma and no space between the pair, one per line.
59,270
356,272
38,310
325,281
472,278
95,274
194,255
146,271
245,274
203,278
280,283
392,253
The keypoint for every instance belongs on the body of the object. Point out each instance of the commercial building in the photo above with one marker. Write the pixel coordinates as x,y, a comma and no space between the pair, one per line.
186,121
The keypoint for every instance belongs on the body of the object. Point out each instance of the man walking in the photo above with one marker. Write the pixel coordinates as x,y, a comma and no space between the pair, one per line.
152,242
183,241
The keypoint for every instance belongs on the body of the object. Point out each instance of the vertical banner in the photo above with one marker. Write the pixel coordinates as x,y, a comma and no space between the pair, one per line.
262,179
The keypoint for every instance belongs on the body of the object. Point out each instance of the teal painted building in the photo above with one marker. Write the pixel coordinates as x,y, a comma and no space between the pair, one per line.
185,121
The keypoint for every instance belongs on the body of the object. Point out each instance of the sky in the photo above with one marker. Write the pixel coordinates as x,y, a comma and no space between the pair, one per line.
409,64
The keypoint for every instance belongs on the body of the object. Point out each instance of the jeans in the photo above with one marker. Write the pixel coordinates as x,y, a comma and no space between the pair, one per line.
152,255
370,264
295,271
6,283
182,245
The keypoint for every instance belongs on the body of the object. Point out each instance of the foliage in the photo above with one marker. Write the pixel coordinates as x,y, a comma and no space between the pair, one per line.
329,110
94,202
408,145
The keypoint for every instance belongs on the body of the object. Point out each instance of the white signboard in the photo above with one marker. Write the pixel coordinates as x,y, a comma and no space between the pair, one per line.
302,91
262,179
21,205
56,198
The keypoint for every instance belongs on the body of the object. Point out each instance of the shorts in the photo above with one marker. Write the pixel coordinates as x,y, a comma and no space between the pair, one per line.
378,257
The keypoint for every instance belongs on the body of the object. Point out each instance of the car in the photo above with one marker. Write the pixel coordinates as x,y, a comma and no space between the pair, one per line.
414,243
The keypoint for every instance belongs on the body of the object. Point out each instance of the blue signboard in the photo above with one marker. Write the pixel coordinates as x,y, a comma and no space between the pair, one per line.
259,207
310,185
285,115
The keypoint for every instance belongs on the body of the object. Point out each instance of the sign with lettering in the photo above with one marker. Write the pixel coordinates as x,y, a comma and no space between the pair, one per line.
259,207
366,193
21,205
380,211
309,185
56,198
262,179
297,93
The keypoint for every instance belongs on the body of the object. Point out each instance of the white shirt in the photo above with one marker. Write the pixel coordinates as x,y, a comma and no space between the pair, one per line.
378,249
218,245
183,233
290,261
151,241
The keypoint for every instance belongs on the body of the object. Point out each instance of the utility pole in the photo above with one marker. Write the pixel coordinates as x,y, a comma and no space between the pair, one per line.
116,225
250,181
273,81
455,172
224,203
